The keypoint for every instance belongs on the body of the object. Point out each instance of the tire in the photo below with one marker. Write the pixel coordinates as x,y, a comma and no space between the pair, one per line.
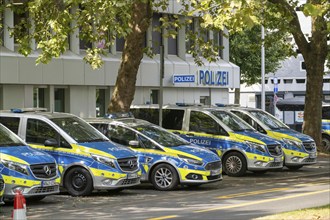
78,182
297,167
234,164
164,177
326,143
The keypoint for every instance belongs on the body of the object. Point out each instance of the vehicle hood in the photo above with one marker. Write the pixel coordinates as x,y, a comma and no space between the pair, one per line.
107,148
25,155
256,137
289,133
196,151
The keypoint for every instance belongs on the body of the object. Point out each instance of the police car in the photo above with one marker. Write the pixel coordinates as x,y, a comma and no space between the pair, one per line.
326,127
23,168
240,146
299,149
87,160
166,160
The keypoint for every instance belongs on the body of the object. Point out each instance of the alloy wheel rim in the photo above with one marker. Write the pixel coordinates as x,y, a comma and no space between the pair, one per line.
163,177
234,164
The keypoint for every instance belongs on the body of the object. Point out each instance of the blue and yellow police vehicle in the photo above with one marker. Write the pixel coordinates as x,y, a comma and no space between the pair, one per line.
23,168
326,127
238,145
166,160
87,160
299,149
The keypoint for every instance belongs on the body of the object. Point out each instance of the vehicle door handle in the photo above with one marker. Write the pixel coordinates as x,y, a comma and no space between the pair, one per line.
190,134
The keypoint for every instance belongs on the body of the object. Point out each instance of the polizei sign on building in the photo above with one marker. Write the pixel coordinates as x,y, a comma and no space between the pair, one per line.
183,79
209,77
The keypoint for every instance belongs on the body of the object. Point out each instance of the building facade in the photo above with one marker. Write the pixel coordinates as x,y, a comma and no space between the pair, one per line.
68,84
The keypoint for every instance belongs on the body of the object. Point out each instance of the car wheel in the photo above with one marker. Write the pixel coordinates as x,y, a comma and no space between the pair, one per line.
164,177
326,143
234,164
297,167
78,182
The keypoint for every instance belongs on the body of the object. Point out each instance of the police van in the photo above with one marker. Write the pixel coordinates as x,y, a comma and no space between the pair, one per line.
299,149
166,159
87,160
23,168
240,146
326,127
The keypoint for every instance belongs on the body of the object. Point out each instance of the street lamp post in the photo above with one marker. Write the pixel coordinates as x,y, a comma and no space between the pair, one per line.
262,68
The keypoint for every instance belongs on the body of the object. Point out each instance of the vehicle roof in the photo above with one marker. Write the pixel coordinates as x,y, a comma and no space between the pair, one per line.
48,115
172,106
127,121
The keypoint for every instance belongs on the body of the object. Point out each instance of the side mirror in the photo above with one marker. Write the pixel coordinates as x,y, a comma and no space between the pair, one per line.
51,142
134,144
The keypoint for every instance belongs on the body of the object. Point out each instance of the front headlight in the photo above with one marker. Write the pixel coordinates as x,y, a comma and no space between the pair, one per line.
105,160
259,147
293,143
21,168
191,160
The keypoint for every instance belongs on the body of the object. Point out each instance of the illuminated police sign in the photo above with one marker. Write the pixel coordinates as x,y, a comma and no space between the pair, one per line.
209,77
183,79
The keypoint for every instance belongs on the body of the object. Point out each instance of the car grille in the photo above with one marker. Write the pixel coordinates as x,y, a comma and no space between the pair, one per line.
2,184
309,160
275,150
213,165
130,181
275,164
47,189
128,164
214,177
44,171
309,146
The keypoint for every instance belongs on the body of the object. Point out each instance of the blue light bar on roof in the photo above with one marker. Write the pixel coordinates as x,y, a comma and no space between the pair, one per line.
182,104
22,110
119,115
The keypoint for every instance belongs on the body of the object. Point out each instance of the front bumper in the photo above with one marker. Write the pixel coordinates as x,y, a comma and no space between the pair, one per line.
188,176
36,190
101,182
265,164
305,159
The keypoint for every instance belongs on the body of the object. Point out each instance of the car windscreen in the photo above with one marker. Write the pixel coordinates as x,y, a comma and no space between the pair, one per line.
232,121
161,136
78,129
8,138
268,120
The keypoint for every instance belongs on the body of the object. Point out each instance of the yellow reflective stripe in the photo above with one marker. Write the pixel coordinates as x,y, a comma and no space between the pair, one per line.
173,152
146,168
326,131
219,153
107,174
184,172
20,181
294,153
12,158
279,136
242,138
76,149
326,120
252,156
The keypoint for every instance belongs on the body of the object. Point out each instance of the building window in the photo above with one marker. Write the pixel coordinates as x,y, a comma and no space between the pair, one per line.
278,81
205,100
154,96
156,34
21,20
302,66
100,102
39,97
190,29
172,42
218,41
300,81
326,80
120,42
59,99
266,81
288,81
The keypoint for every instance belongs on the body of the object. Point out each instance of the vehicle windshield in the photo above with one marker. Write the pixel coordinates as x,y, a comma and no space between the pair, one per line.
232,121
268,120
161,136
78,129
8,138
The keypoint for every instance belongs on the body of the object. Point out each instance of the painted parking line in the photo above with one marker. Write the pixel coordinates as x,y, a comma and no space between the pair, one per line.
261,201
252,193
163,217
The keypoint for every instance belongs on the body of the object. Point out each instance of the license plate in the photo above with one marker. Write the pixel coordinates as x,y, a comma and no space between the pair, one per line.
48,183
277,159
132,175
215,172
312,155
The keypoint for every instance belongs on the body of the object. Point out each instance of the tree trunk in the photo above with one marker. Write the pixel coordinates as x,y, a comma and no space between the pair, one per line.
124,90
237,95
